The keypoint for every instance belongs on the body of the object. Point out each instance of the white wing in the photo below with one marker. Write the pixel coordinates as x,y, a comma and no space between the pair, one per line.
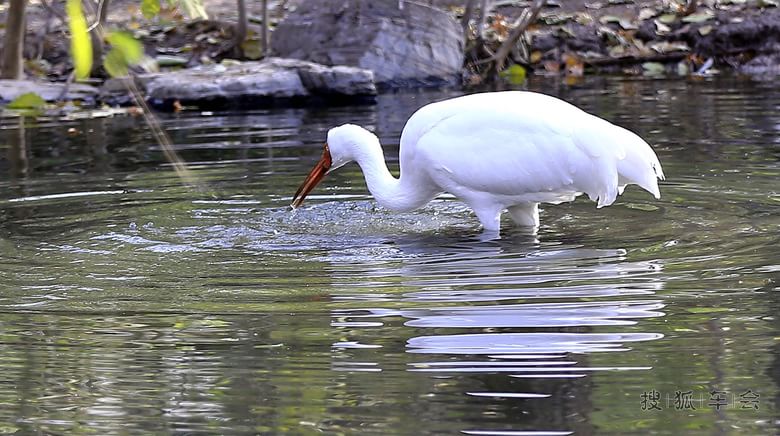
526,145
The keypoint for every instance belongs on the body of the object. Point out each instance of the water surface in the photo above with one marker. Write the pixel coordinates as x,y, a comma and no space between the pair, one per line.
131,303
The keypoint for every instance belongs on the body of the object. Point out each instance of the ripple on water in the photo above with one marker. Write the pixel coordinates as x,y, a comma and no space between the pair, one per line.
134,304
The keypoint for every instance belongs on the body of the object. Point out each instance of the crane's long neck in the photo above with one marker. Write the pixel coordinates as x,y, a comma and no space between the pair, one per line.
410,191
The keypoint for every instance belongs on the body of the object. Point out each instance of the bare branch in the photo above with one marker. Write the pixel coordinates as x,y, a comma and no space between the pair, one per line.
101,15
690,7
526,19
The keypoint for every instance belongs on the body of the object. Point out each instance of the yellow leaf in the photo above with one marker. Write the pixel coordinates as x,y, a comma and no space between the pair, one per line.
194,9
150,8
28,100
515,74
131,48
115,63
80,44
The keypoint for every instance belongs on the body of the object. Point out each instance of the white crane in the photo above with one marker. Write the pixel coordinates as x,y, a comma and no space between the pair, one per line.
496,151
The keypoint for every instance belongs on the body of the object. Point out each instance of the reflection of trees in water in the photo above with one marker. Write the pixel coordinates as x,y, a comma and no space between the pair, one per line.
569,406
18,170
96,147
17,152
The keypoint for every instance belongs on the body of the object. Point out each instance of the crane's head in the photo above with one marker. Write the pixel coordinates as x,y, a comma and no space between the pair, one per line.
345,143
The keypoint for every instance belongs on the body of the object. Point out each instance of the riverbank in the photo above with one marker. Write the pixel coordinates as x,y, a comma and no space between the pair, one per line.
571,39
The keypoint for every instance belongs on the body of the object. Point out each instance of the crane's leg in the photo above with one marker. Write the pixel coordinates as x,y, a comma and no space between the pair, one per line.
490,217
526,214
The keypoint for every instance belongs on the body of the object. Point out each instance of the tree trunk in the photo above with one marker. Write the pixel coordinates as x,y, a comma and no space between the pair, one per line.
265,39
12,62
241,26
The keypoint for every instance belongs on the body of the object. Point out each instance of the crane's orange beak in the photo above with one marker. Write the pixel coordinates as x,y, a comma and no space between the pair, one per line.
315,175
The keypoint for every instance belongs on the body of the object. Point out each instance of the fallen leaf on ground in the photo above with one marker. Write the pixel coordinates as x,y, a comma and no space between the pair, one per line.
667,18
683,69
609,19
699,17
661,28
669,47
646,13
653,68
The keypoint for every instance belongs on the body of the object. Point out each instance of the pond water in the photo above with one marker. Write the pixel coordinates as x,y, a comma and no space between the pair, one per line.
132,303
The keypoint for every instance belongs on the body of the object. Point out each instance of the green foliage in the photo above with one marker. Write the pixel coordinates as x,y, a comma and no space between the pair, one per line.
29,100
80,44
192,8
124,42
115,64
150,8
515,74
125,51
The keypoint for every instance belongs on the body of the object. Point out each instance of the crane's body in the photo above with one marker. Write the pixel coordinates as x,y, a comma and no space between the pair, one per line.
498,151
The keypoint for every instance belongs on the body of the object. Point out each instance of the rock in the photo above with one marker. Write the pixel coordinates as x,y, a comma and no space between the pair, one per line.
412,45
762,65
49,91
271,82
330,81
757,33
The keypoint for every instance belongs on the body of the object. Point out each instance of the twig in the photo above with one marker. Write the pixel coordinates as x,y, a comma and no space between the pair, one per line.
66,88
690,7
100,15
526,19
162,138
